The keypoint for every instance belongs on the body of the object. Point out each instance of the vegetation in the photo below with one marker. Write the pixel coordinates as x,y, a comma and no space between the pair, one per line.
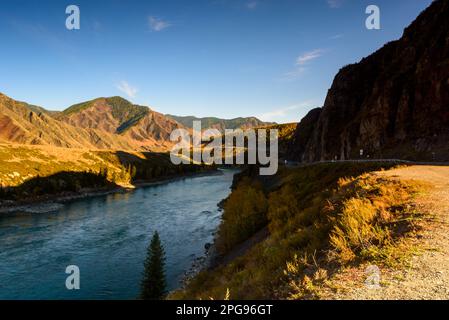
286,131
124,111
244,215
58,183
211,122
286,136
154,285
30,171
320,218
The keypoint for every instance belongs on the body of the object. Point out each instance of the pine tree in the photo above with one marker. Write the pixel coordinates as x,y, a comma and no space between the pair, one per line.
154,284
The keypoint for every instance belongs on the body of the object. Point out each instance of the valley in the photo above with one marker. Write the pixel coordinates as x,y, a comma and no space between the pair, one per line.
355,206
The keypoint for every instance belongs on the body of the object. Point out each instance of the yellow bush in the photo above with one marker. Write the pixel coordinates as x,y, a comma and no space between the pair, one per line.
244,215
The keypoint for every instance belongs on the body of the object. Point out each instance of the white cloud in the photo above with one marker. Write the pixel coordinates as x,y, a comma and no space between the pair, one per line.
252,5
157,24
308,56
288,113
301,63
127,89
335,3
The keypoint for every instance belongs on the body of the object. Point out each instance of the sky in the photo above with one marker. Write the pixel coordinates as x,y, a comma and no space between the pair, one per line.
274,59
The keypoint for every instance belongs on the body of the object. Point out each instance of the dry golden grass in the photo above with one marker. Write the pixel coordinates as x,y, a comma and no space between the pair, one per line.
27,171
323,218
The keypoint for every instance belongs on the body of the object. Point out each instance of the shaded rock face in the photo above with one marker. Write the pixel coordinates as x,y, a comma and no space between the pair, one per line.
304,132
392,104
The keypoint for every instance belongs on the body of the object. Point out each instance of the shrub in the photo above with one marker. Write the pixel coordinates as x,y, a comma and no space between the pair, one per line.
244,215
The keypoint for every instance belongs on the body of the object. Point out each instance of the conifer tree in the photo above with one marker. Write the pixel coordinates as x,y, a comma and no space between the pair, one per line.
154,283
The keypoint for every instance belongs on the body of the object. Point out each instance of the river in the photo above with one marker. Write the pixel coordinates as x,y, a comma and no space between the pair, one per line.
107,237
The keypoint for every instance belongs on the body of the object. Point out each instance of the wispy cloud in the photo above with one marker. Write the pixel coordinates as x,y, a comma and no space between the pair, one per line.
294,74
127,89
309,56
252,5
335,3
157,24
287,113
301,64
337,36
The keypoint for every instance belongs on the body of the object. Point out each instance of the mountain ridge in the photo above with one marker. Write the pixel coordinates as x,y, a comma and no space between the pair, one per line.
100,123
221,124
22,124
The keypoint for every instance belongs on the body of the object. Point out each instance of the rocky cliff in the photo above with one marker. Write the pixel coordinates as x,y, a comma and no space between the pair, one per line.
392,104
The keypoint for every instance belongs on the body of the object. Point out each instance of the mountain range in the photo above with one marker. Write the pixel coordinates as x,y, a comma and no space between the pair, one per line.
221,124
102,123
392,104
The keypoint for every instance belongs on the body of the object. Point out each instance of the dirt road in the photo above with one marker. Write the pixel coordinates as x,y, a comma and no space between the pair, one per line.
427,276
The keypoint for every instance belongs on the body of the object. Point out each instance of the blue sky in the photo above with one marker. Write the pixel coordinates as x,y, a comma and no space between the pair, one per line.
274,59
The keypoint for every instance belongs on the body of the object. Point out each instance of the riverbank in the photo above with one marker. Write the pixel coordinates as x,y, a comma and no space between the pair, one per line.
52,203
108,238
320,220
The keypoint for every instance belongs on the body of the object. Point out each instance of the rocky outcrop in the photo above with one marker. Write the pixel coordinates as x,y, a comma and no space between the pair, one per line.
304,132
392,104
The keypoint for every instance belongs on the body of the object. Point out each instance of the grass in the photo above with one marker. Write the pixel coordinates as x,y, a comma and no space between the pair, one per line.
321,219
23,168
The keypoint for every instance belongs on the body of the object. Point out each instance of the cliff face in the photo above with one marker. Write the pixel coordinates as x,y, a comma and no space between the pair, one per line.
303,133
392,104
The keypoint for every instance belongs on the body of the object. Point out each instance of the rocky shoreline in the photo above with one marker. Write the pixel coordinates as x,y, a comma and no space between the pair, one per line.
202,263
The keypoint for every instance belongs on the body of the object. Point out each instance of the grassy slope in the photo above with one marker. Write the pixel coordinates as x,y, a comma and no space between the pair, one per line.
124,111
20,164
321,219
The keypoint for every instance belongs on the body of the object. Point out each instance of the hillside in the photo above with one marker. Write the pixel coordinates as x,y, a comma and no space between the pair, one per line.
221,124
113,114
138,125
24,124
392,104
30,173
290,236
103,123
